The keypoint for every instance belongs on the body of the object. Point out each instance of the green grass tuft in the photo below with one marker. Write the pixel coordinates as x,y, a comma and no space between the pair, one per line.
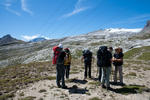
42,90
28,98
95,98
145,56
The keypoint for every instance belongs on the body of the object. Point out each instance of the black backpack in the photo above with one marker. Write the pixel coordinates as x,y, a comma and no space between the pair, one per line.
87,54
103,57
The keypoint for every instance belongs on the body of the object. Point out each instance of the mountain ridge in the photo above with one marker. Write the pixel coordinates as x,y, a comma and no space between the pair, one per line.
8,39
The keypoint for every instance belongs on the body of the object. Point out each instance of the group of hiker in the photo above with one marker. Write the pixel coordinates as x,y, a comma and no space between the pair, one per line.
105,60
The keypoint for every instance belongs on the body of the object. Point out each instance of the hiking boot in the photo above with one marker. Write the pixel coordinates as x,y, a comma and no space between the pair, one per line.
122,84
108,88
103,86
64,87
59,86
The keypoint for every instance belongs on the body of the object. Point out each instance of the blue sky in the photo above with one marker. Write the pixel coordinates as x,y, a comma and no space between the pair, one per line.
27,19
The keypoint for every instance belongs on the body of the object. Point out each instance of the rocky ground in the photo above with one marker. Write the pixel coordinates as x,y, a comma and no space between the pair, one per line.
37,81
136,78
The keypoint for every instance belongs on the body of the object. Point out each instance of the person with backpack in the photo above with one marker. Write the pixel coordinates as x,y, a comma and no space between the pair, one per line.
60,68
87,57
67,62
104,58
110,49
118,62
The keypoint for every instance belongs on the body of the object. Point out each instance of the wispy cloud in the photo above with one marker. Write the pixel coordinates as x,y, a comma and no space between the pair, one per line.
77,9
25,8
7,5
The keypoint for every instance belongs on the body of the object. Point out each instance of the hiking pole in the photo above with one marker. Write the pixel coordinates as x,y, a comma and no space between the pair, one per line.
112,73
97,71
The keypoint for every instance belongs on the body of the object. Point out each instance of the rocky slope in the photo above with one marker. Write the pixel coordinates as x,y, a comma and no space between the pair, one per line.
42,51
37,81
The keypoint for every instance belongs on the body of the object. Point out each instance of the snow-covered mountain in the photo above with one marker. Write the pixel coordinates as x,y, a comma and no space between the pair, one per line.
42,51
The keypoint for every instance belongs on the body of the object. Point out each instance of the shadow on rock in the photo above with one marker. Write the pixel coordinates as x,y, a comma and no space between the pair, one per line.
117,84
131,89
74,89
79,81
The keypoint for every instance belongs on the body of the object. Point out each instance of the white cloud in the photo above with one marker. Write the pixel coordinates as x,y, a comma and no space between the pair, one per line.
28,38
75,12
77,9
25,8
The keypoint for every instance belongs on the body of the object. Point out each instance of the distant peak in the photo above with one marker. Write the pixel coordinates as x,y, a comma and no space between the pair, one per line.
148,23
8,35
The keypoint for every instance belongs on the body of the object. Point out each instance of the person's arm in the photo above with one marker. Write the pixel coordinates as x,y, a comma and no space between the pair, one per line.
82,59
119,60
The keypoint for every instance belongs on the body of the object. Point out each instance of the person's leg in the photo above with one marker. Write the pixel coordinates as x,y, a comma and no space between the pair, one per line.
100,74
108,71
85,73
58,76
68,69
63,75
103,76
115,74
120,74
89,70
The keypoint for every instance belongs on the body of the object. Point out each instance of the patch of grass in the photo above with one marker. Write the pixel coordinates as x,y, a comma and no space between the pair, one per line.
146,68
6,96
28,98
95,98
41,99
42,90
136,51
131,74
87,93
95,44
145,56
132,53
77,54
21,94
17,77
95,83
74,72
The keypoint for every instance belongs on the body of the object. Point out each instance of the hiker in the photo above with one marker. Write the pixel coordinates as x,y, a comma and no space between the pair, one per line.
67,62
118,62
60,68
104,58
87,57
110,49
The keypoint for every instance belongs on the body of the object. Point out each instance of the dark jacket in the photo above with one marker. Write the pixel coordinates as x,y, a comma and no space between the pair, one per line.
61,56
118,56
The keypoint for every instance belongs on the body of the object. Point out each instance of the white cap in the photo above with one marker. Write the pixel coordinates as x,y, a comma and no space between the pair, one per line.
60,45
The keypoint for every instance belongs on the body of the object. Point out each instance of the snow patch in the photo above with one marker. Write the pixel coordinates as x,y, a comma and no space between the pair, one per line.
112,30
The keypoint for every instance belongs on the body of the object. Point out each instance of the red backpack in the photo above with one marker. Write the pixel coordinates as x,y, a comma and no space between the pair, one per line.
56,53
